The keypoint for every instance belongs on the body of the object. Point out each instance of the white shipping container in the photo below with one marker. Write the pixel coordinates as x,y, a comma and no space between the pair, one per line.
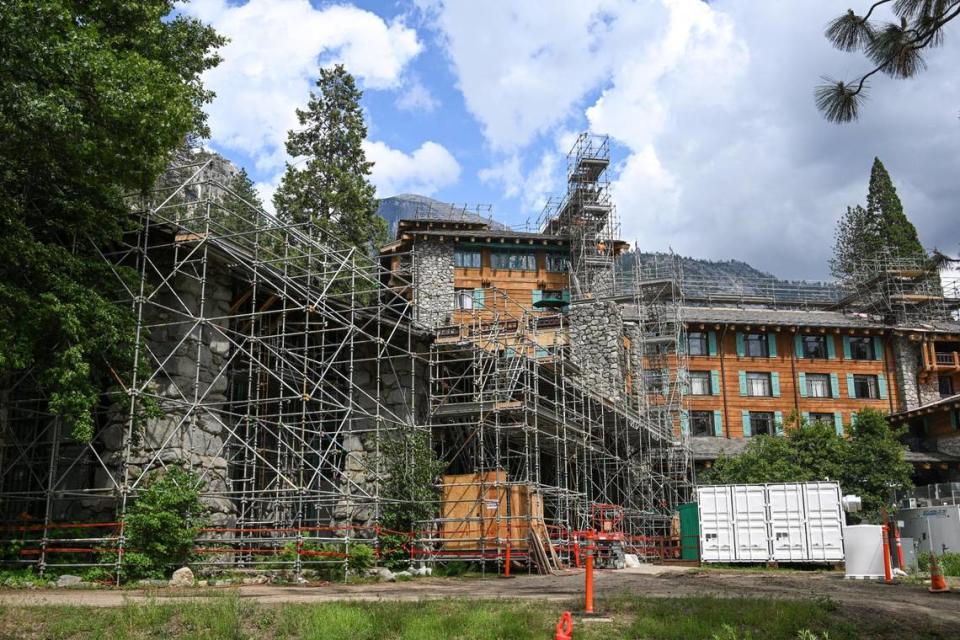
797,522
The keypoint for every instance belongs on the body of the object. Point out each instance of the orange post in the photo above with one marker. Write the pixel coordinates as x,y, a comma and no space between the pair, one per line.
564,627
887,571
506,563
588,600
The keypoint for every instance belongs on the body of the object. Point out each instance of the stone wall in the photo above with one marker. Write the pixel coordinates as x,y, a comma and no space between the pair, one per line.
596,346
907,362
432,272
193,368
404,401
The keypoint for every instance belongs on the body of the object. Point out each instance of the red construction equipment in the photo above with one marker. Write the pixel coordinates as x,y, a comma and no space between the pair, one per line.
565,627
607,521
937,583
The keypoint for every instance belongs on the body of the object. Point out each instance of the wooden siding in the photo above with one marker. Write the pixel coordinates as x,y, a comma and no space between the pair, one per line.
788,366
518,286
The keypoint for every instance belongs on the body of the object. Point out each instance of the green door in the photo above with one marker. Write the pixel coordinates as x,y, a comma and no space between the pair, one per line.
689,531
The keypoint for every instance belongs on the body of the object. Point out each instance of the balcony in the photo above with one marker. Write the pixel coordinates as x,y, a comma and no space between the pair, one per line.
949,359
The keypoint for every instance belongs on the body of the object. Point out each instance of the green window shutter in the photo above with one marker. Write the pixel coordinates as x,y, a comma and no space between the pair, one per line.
565,296
537,296
718,424
743,383
478,298
956,419
798,345
510,352
778,422
775,384
877,348
851,391
846,347
882,386
746,423
712,343
682,344
926,426
715,383
834,385
772,344
838,423
685,423
741,349
806,416
831,348
802,384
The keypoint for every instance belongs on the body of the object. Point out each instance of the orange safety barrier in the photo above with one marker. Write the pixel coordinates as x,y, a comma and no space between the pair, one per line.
588,587
937,582
887,571
564,630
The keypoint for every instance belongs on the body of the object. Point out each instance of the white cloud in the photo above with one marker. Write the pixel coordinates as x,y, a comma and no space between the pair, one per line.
275,49
425,171
722,153
416,97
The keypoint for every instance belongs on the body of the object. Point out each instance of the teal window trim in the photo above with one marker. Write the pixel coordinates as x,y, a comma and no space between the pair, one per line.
838,423
772,345
745,415
798,346
741,345
778,422
834,385
802,384
718,423
715,383
831,348
712,343
775,384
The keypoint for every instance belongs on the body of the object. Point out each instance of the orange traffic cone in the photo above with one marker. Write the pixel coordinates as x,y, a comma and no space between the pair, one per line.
937,583
565,627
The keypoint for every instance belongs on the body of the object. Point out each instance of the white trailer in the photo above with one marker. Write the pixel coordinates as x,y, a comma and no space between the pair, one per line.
796,522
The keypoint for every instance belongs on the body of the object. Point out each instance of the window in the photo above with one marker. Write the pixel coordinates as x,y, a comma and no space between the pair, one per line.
818,385
466,258
699,383
861,349
865,387
814,346
556,262
758,384
701,423
552,294
698,344
755,345
761,423
946,386
464,298
516,260
826,418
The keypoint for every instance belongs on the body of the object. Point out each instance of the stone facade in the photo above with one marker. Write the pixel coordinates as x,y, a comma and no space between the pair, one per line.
432,271
192,372
596,346
907,362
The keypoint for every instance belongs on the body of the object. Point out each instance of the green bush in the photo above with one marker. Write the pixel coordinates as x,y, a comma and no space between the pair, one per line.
949,563
360,558
162,525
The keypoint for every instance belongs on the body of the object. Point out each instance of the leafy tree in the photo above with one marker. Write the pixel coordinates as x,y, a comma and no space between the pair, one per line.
162,524
330,184
93,98
870,463
881,229
894,48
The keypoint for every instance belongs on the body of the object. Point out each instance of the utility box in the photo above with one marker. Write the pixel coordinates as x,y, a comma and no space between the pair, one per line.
942,524
792,522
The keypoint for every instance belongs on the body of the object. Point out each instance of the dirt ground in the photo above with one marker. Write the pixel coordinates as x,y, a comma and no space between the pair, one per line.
902,604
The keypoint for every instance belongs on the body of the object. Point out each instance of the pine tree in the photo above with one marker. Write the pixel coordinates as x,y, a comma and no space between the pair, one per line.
879,230
898,236
332,184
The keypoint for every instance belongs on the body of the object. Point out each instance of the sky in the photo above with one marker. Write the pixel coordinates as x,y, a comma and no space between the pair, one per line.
718,150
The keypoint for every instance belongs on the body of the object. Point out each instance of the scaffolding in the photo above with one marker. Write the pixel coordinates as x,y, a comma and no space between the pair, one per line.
271,359
586,215
508,405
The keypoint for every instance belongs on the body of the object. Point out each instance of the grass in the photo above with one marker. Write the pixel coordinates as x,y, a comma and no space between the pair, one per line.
233,618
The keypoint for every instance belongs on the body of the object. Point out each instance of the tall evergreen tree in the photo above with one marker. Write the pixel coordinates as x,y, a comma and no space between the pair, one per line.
898,236
94,97
332,185
878,230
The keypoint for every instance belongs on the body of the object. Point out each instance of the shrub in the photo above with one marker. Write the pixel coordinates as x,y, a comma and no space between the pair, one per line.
162,525
360,558
949,563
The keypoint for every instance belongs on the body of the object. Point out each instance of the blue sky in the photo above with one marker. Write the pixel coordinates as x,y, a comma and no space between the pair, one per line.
718,150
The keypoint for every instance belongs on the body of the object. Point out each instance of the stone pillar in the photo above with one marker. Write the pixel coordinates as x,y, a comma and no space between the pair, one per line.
596,346
433,282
